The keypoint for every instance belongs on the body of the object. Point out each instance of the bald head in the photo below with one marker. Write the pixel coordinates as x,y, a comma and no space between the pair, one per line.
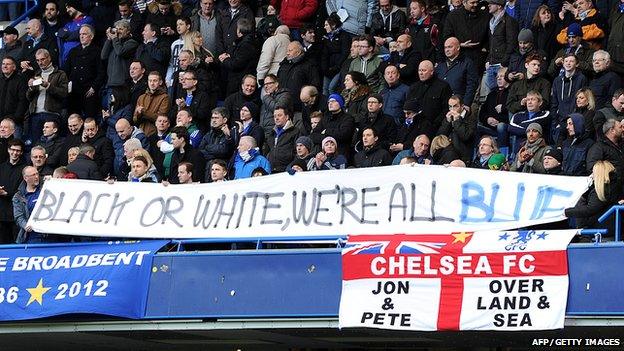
123,128
283,29
425,70
404,41
295,49
34,28
451,48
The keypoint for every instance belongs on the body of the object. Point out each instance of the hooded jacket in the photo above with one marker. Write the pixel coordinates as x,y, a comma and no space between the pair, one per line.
388,26
575,148
154,104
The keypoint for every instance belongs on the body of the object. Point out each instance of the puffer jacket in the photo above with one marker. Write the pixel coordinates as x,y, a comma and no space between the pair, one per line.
294,13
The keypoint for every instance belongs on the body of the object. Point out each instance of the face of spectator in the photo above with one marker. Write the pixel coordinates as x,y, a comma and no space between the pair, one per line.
471,5
33,28
148,33
415,10
309,36
51,12
582,5
364,49
153,82
44,61
329,148
532,135
164,8
348,82
178,143
425,71
618,103
49,129
162,123
280,117
188,82
355,48
138,168
301,150
403,42
533,67
524,46
123,31
249,86
485,147
217,121
198,40
184,176
270,85
581,100
293,50
72,154
421,146
90,129
373,105
74,125
451,48
333,105
570,63
9,39
183,119
31,177
385,6
500,80
182,27
37,157
86,37
71,12
136,71
8,67
455,105
244,145
493,8
570,127
234,3
391,75
245,114
15,153
545,16
550,162
184,60
314,121
574,41
600,63
124,131
327,27
124,11
128,152
368,138
207,6
6,129
533,103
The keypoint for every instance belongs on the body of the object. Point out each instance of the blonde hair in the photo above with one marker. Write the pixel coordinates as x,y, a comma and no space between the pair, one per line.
144,153
600,172
589,95
439,142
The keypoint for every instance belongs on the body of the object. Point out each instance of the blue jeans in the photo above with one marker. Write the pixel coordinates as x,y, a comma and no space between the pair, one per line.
330,85
501,133
490,76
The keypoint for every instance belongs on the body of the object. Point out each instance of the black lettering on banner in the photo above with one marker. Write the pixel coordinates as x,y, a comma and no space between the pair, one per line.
368,204
58,209
300,215
80,208
229,214
320,209
511,320
119,206
381,318
95,207
158,200
397,188
47,201
169,211
391,287
255,196
197,219
268,206
344,204
241,211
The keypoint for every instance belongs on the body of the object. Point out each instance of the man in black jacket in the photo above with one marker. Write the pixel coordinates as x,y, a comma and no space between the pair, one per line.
137,81
7,133
153,51
104,154
296,71
227,21
406,59
282,141
337,124
607,148
375,118
74,137
248,93
217,143
241,58
39,40
84,165
432,93
13,103
195,100
10,179
470,25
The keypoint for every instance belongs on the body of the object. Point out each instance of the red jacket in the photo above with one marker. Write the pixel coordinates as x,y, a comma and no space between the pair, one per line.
294,13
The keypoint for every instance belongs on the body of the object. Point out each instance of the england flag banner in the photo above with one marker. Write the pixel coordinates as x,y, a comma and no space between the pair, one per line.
508,280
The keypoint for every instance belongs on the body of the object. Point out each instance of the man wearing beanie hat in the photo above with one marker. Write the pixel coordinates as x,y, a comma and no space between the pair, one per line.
517,62
303,151
576,146
376,118
592,24
69,33
575,46
337,124
530,157
552,162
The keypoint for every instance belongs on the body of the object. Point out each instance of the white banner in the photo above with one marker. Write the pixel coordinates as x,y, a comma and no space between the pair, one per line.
394,199
461,281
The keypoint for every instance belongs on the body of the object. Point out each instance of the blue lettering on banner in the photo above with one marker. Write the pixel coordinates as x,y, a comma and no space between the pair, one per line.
104,278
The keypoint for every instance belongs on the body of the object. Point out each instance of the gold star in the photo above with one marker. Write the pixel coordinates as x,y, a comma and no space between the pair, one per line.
36,293
461,237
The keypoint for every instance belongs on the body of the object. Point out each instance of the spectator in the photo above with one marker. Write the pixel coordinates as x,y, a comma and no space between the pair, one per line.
592,24
616,38
296,71
69,35
36,40
534,114
130,148
153,51
552,162
576,146
119,108
51,19
303,148
126,131
470,26
503,34
136,19
184,118
372,154
217,143
46,94
562,101
227,25
273,52
84,165
10,179
311,101
24,202
281,143
383,124
10,45
218,171
368,63
498,162
141,171
607,147
406,59
163,14
38,159
432,93
526,9
355,93
394,94
605,81
205,76
586,105
335,50
575,46
104,153
13,102
272,95
241,58
163,127
419,151
7,133
493,115
517,62
248,159
150,105
137,81
328,157
545,27
247,125
248,92
337,124
72,154
119,49
183,27
198,102
485,150
295,13
86,73
531,155
614,111
459,72
52,143
516,100
356,16
442,151
204,20
460,126
185,173
387,23
424,32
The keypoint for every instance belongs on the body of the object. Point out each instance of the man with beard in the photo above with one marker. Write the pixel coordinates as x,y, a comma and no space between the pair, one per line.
530,157
69,35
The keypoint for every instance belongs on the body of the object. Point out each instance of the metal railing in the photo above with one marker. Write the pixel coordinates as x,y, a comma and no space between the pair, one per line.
30,6
613,210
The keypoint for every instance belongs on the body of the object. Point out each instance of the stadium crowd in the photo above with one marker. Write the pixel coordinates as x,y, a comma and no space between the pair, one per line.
209,90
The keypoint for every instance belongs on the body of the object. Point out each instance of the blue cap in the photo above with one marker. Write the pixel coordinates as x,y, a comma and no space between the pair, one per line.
339,99
574,30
